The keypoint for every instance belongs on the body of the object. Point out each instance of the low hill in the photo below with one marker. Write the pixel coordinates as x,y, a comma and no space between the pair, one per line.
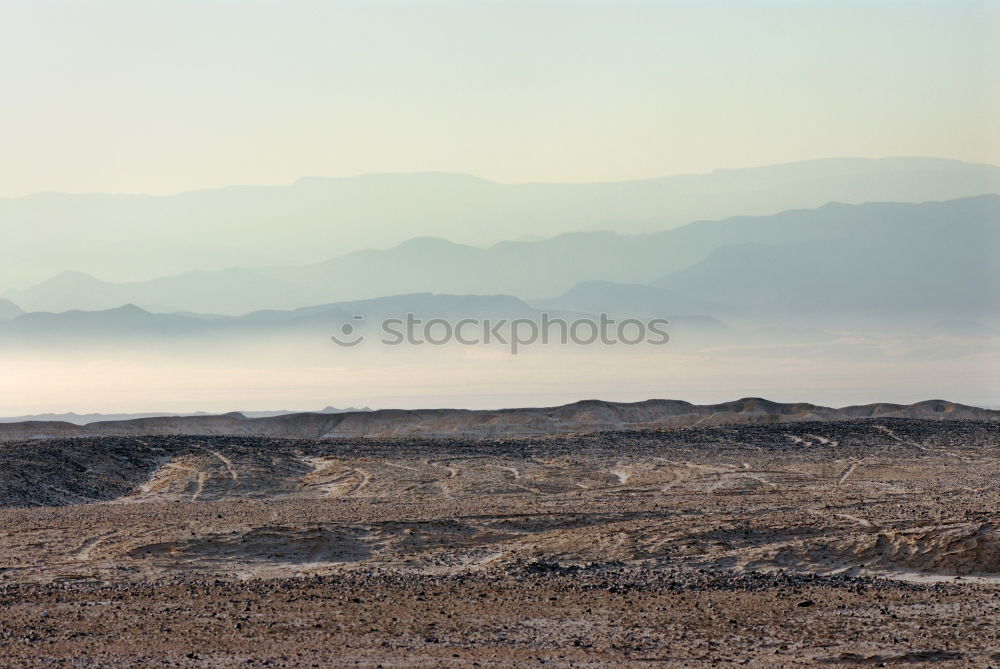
584,416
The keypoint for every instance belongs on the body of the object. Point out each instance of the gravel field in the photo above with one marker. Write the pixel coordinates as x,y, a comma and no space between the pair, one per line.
867,542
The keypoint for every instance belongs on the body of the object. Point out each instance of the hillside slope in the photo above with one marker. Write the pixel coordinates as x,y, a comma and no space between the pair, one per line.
585,416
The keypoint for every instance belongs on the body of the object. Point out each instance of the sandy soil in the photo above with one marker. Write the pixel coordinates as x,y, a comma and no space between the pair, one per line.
871,542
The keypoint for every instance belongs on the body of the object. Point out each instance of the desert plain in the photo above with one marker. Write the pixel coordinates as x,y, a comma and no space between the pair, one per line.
868,542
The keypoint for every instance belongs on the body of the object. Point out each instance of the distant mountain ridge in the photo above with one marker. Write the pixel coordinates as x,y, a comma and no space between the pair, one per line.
584,416
132,322
85,419
935,256
9,310
129,237
891,260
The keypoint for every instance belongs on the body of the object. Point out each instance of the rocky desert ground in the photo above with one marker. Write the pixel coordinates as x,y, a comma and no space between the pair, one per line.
864,541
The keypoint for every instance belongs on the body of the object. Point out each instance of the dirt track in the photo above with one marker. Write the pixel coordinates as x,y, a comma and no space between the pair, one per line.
861,542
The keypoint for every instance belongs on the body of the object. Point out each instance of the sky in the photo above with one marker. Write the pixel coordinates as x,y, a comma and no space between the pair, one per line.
160,97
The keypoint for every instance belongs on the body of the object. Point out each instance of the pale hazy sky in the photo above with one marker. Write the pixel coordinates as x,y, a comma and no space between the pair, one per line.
164,96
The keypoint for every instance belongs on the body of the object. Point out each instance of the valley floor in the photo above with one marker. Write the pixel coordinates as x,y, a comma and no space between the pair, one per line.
866,542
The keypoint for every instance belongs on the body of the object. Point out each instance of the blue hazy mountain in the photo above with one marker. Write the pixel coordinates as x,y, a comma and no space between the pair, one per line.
627,301
937,257
9,310
132,323
132,237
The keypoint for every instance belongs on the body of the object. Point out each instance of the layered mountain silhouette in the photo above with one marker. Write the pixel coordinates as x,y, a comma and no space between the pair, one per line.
130,322
131,325
124,237
933,259
76,325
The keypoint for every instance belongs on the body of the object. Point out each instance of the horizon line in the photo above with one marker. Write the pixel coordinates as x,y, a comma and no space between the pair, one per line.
361,175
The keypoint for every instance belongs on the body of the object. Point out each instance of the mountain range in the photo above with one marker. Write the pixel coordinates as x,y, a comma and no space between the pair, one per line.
87,418
130,324
929,260
136,237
